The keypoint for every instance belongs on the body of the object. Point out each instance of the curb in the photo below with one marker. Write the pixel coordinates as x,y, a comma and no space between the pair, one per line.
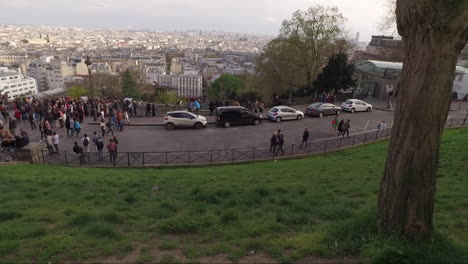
154,124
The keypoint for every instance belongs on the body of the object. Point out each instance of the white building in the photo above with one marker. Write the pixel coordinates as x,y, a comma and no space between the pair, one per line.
189,86
14,84
50,75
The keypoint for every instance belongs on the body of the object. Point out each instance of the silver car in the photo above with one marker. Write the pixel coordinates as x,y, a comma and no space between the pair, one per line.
355,105
280,113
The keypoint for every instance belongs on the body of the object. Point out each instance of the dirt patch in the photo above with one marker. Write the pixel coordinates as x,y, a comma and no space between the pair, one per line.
158,254
130,258
257,258
315,259
221,259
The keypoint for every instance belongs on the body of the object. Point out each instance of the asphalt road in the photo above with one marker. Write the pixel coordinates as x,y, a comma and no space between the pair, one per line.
157,138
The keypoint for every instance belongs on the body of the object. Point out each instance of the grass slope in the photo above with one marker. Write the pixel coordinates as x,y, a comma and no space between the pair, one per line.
322,206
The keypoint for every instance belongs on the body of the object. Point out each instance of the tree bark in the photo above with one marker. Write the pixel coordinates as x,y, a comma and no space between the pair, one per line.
433,36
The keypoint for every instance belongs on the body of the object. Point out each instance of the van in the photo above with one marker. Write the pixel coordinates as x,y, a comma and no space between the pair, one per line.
236,115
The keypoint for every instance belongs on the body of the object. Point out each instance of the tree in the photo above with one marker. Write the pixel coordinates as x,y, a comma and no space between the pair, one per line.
225,87
166,97
107,84
129,85
312,34
77,92
336,75
434,32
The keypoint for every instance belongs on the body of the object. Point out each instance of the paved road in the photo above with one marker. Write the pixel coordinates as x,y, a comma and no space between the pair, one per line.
155,138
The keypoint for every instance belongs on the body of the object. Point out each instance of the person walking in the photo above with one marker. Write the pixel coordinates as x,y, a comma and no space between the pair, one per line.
85,141
197,107
340,127
55,142
346,128
42,130
211,106
79,151
72,127
334,123
279,143
127,120
381,128
153,110
148,109
99,148
112,148
110,127
305,138
31,120
273,143
77,128
102,124
49,143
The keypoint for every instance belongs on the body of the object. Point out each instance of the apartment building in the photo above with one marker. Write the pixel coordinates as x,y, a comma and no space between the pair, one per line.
14,84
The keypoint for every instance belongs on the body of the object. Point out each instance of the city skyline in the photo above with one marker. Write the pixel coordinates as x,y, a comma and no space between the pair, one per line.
254,17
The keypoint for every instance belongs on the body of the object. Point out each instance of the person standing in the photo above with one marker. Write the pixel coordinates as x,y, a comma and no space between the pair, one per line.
305,138
273,143
211,106
31,120
42,130
279,143
153,110
103,127
79,151
127,120
381,128
197,107
346,128
85,141
261,106
72,126
110,127
111,147
55,142
148,109
99,148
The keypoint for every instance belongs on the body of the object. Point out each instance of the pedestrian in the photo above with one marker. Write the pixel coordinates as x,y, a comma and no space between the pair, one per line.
381,128
261,106
85,141
55,142
103,127
110,127
305,137
112,148
99,148
273,143
42,130
31,120
211,106
153,110
334,123
95,139
49,143
197,107
346,128
116,141
127,120
79,151
148,109
340,127
77,128
72,127
279,143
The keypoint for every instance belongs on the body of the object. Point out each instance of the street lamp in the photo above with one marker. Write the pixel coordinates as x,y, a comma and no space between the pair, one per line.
93,105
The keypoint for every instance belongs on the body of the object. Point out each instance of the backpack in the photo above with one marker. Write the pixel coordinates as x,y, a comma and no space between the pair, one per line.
85,141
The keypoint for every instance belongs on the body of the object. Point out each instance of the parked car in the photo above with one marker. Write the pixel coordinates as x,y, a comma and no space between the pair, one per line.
280,113
184,119
355,105
321,109
236,115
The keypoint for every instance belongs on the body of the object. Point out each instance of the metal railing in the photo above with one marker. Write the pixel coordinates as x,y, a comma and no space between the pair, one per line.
140,159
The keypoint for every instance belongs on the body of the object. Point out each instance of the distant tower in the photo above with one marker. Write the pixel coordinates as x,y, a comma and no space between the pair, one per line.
357,38
48,40
40,35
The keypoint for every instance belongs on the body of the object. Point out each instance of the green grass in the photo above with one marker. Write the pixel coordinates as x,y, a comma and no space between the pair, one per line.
322,205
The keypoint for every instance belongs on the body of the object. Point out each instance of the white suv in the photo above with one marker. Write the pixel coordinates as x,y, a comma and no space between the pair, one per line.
184,119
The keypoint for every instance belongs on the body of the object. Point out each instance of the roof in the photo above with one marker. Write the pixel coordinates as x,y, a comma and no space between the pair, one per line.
178,112
3,74
389,70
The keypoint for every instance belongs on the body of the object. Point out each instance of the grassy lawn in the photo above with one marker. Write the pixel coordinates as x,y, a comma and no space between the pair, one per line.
312,209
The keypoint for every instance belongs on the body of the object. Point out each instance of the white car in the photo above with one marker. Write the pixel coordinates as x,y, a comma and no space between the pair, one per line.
280,113
184,119
355,105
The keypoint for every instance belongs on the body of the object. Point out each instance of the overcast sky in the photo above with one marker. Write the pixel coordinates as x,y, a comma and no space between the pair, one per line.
247,16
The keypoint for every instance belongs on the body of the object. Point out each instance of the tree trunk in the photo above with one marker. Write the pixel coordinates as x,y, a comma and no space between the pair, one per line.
432,42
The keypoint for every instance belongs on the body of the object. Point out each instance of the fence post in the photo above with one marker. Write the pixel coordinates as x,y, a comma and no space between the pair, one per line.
66,160
189,157
325,146
128,159
309,147
253,155
232,154
292,149
451,122
42,153
365,137
388,130
466,117
377,134
211,156
166,157
354,138
143,158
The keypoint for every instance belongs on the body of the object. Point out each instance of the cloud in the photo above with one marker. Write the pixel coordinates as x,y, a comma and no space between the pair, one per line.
270,19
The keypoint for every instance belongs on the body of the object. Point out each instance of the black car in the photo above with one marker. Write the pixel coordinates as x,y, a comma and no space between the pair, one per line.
236,115
321,109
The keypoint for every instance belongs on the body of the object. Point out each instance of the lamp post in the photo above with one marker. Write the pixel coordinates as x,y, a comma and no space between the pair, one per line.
93,103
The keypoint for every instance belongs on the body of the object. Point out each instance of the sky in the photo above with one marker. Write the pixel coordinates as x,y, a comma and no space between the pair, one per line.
243,16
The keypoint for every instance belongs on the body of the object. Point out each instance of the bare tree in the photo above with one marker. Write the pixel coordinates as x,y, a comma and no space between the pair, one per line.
434,32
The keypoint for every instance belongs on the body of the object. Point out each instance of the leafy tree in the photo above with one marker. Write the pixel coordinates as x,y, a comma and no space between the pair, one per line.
336,75
107,84
129,85
225,87
166,97
77,91
407,189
